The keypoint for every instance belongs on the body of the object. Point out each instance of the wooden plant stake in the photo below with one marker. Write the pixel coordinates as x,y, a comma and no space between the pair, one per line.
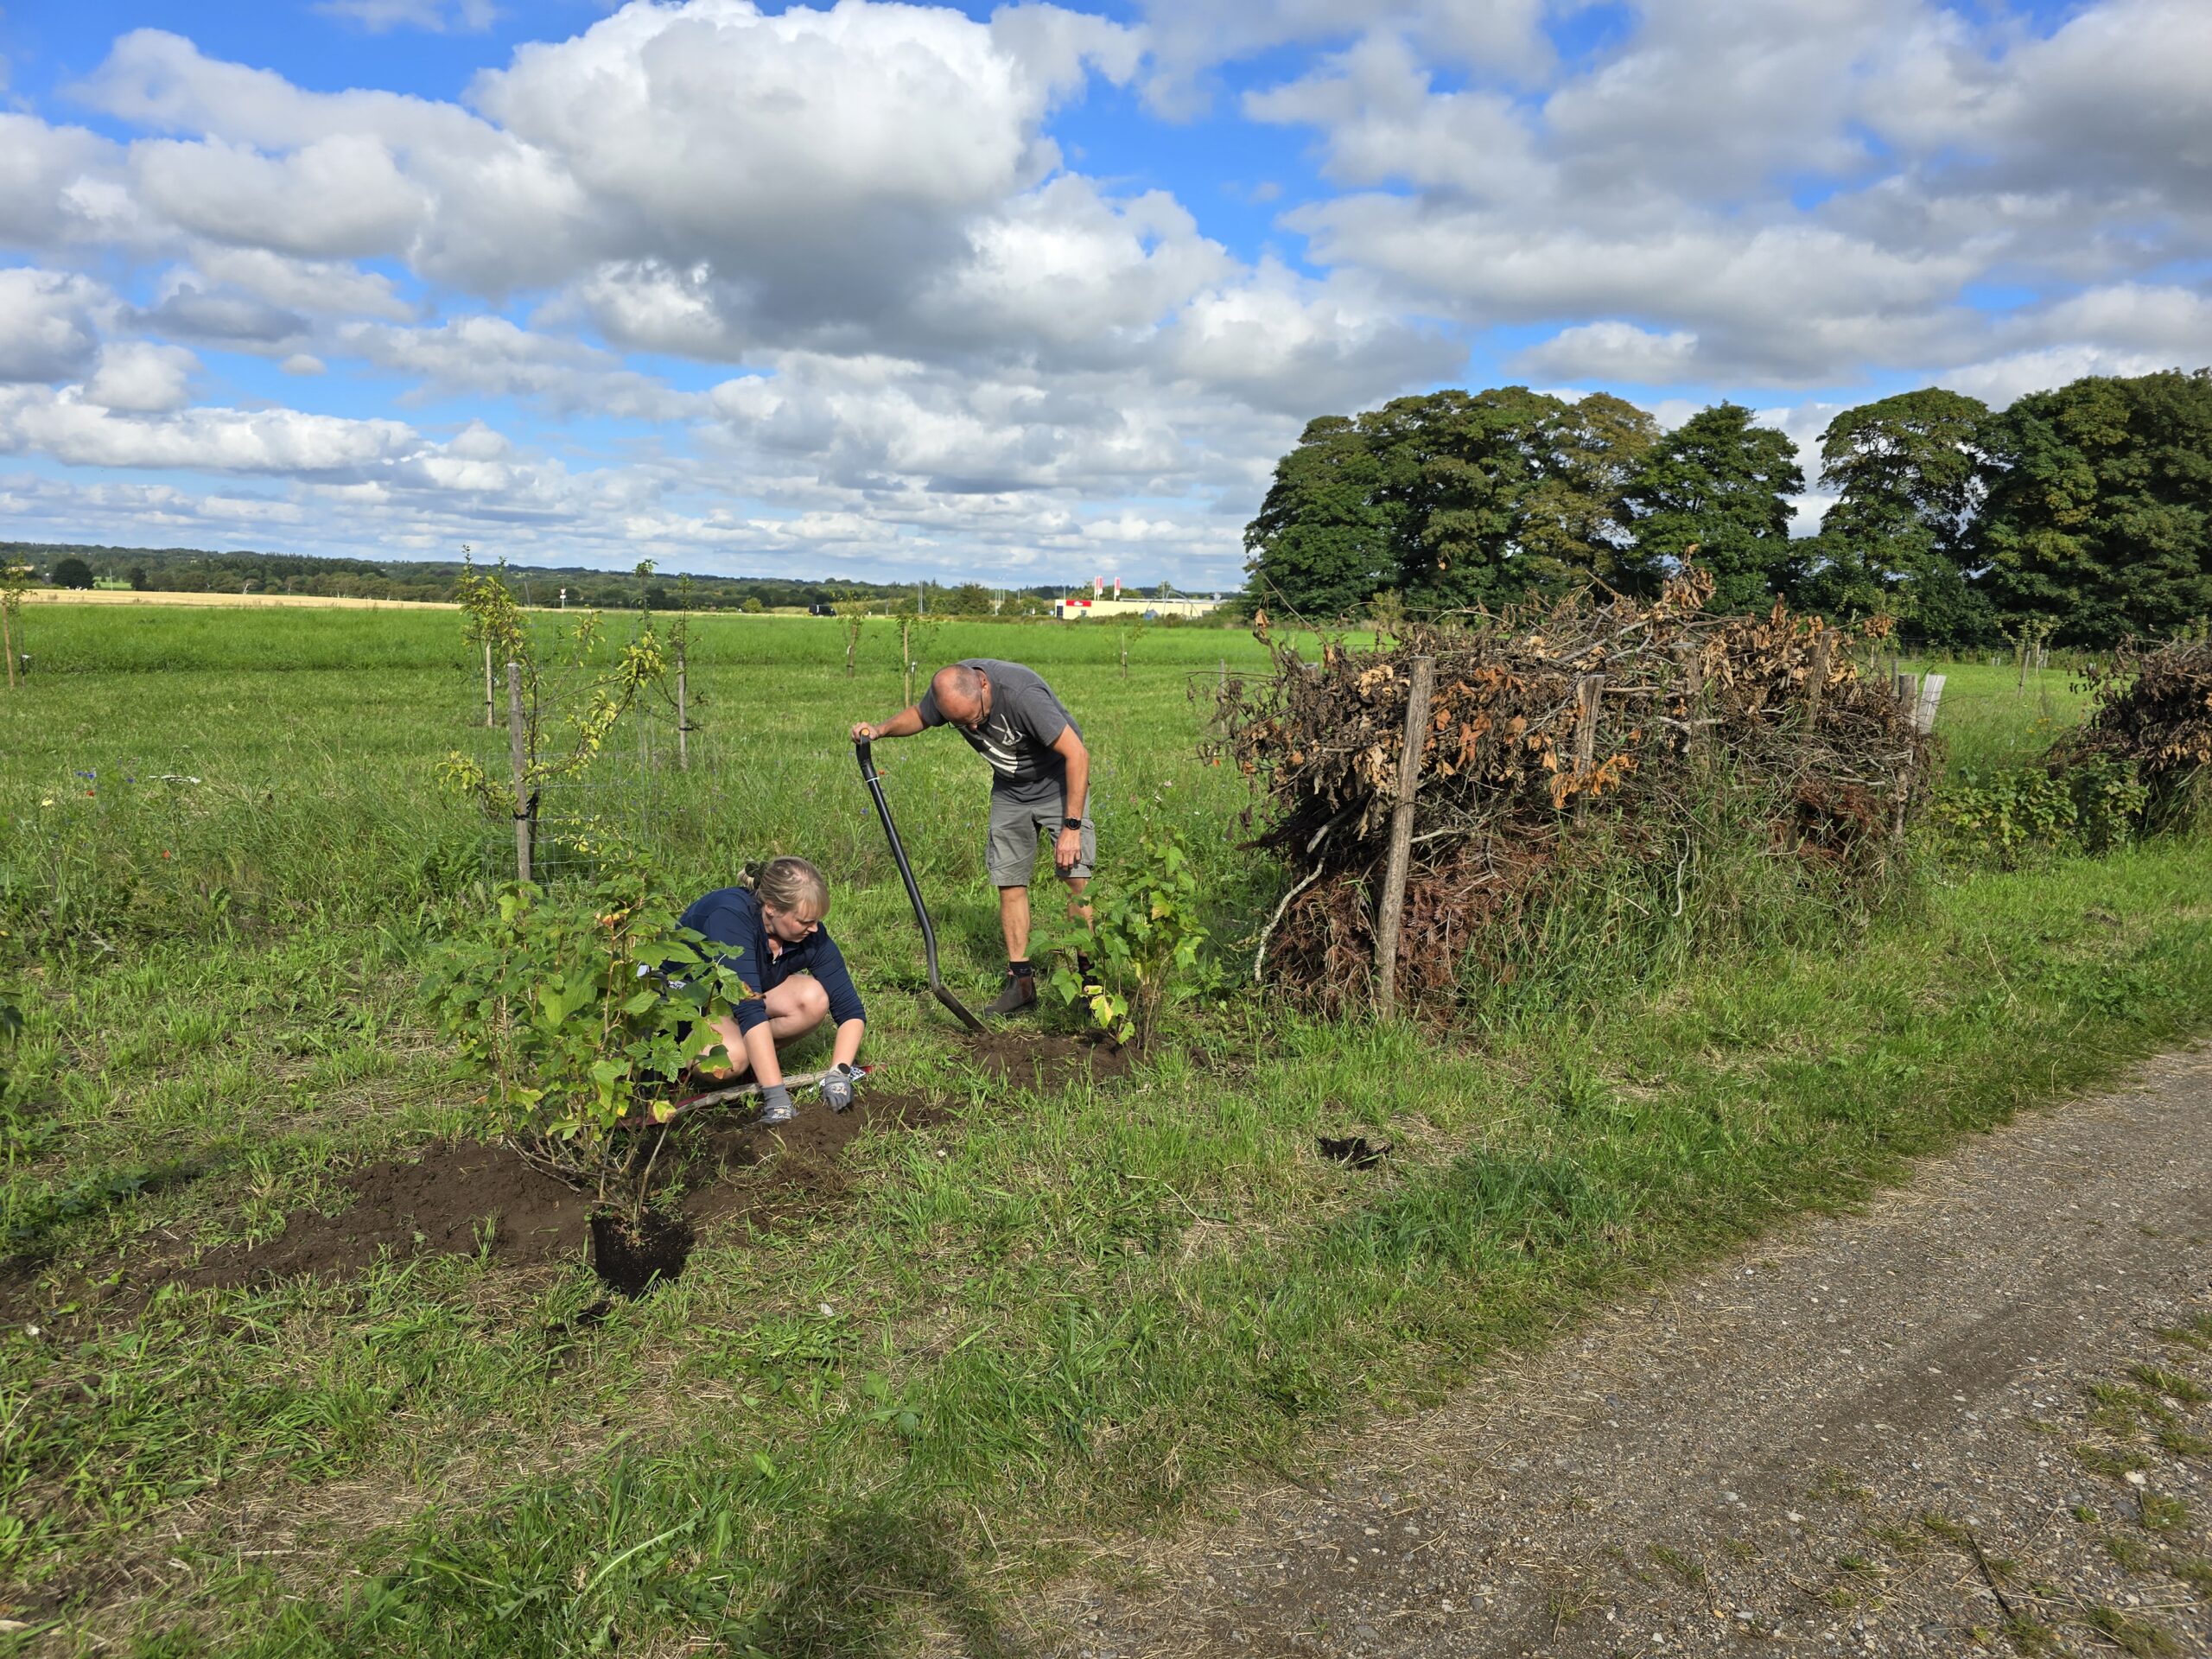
1587,690
489,721
906,659
1125,653
7,646
518,756
683,713
1401,838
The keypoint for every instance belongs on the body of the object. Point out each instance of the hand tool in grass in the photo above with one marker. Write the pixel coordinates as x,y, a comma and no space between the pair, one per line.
745,1090
874,779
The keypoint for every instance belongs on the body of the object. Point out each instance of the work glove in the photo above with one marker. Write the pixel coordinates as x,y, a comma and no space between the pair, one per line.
776,1104
837,1087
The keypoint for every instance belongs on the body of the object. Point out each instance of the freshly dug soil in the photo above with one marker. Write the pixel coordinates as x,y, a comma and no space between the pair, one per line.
458,1195
1047,1061
447,1204
462,1198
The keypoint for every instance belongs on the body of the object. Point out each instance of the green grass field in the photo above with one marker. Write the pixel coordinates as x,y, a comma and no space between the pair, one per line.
871,1421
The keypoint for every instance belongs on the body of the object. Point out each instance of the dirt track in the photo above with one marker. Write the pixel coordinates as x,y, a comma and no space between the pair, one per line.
1850,1439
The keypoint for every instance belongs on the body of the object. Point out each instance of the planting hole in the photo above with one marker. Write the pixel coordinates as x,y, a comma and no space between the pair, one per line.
630,1261
1353,1149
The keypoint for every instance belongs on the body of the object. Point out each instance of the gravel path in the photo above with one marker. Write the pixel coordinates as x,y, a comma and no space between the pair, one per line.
1968,1419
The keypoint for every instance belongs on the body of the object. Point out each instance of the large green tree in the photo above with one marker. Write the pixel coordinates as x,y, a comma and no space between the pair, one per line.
2099,518
1720,486
1323,544
1907,473
1455,498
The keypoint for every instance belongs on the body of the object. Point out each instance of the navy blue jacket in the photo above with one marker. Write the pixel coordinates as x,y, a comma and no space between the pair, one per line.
731,916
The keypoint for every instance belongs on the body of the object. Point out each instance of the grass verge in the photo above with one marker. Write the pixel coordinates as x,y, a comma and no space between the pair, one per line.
1046,1318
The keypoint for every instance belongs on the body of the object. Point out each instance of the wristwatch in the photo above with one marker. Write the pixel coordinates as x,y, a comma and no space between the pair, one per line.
1070,824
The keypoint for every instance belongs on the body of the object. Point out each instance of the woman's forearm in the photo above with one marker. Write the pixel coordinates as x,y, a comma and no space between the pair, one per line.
848,1042
760,1049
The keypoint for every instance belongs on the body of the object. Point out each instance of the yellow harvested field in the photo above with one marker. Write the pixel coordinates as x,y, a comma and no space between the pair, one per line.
310,602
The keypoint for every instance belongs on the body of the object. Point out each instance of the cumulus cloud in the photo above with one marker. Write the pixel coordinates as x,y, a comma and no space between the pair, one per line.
492,356
1613,351
237,321
47,326
79,432
140,377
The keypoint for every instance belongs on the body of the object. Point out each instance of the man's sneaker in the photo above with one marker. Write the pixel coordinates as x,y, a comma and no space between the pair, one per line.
780,1111
1020,993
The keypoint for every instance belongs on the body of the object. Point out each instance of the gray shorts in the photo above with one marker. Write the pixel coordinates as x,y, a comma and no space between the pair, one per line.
1016,828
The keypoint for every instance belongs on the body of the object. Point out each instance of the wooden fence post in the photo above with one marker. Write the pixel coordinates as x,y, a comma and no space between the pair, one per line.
517,755
1693,705
683,713
1924,707
1401,837
1587,692
1816,676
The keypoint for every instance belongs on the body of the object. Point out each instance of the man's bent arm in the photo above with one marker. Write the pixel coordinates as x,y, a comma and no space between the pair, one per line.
1069,748
905,724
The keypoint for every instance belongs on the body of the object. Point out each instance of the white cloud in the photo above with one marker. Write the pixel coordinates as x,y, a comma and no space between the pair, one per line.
72,429
48,330
1997,381
1613,351
376,16
324,286
302,363
492,356
140,378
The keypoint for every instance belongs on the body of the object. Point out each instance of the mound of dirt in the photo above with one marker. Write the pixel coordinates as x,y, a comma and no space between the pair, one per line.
459,1199
456,1199
1047,1061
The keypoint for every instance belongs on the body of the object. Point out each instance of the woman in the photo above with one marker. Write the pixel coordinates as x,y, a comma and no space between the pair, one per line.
797,976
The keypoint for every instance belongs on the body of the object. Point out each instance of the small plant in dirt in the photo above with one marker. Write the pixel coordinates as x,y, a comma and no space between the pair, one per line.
566,709
579,1014
1146,942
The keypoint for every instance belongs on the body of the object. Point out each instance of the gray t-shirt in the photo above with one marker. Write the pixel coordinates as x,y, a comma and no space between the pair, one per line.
1018,734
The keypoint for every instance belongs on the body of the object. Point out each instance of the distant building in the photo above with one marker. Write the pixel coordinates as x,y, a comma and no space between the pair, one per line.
1099,604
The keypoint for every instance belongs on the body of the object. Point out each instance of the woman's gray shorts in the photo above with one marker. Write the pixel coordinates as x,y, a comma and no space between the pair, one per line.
1016,828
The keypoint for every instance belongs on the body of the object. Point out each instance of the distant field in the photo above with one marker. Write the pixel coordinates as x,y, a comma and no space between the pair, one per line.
231,602
1038,1313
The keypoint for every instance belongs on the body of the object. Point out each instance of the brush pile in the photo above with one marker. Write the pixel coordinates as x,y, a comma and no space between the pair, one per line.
2153,710
1588,730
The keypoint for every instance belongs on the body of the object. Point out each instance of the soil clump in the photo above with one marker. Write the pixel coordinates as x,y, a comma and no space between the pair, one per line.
1048,1061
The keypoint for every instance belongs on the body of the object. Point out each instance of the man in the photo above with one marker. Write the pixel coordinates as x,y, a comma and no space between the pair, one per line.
797,976
1040,786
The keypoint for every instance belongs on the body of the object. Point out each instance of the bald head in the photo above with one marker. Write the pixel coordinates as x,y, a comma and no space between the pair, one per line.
959,693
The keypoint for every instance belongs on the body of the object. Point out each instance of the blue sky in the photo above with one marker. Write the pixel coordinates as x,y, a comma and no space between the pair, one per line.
1024,294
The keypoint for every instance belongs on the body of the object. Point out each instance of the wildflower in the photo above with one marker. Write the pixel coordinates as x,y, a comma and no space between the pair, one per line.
46,801
165,852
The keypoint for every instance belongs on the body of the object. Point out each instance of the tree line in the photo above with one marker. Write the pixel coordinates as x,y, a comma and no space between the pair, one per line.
183,569
2080,515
